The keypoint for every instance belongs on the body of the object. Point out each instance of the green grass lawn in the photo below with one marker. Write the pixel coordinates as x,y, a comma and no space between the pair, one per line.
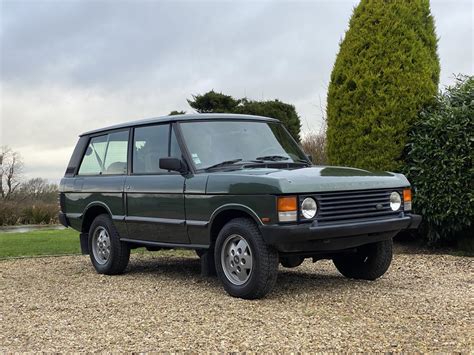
57,242
41,242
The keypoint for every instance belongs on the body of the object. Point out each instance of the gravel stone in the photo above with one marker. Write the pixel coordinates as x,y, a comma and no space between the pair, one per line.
424,304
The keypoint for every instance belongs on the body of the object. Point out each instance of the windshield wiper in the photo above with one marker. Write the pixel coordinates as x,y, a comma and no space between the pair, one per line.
224,163
272,158
307,162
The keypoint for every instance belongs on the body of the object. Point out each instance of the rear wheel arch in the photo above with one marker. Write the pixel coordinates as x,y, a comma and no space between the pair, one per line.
91,212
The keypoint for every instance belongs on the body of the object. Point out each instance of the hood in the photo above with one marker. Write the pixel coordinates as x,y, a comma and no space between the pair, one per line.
304,180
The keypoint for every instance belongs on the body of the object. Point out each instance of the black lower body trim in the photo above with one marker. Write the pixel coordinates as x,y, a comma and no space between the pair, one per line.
63,219
84,239
165,245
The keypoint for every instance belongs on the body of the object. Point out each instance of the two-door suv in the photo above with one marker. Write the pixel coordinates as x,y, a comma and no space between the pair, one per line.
239,190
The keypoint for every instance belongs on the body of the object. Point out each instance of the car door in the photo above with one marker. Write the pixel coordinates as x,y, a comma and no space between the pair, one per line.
154,197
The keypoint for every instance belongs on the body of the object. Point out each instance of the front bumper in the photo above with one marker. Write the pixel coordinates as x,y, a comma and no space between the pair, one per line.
314,237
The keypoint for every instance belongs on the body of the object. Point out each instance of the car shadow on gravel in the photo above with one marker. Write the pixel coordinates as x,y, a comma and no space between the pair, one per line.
169,266
308,282
189,269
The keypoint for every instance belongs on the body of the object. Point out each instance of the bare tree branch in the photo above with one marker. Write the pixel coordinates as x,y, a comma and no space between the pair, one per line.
11,169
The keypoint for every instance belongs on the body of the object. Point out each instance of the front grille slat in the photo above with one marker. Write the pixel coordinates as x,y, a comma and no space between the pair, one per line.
355,205
349,201
356,211
355,197
352,206
359,215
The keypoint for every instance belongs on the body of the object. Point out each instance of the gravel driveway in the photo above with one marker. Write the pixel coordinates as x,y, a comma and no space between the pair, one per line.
424,303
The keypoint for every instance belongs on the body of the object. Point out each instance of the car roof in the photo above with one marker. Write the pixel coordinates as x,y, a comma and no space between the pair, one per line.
182,118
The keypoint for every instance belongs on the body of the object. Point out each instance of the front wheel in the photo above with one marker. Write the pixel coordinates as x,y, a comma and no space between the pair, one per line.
108,254
369,262
246,266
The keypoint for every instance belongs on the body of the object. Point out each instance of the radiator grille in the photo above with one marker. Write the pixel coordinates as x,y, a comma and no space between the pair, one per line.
355,205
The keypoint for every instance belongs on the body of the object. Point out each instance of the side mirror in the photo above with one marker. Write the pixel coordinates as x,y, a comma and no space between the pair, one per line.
173,164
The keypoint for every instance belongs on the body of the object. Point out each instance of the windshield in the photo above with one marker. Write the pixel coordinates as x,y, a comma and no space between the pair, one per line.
213,142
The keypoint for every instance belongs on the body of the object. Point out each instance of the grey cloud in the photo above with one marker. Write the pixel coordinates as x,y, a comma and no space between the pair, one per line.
70,66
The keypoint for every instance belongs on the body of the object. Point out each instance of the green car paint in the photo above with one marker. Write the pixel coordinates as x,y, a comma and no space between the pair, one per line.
187,208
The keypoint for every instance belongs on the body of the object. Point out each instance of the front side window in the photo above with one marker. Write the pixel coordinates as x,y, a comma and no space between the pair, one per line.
150,144
106,155
214,142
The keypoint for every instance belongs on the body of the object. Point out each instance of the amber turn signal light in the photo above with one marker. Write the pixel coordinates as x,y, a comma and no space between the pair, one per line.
287,209
287,203
407,199
406,195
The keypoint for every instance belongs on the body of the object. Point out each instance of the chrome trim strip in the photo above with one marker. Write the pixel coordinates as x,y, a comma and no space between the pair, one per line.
197,223
154,220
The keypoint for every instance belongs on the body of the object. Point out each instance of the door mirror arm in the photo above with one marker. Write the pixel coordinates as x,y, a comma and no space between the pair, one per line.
173,164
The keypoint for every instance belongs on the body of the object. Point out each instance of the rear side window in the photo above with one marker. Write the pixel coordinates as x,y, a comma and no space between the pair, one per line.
106,155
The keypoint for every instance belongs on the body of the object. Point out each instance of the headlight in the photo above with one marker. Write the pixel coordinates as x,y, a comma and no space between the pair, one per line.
309,208
395,201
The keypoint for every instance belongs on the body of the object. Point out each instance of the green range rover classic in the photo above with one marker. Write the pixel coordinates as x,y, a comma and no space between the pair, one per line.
237,189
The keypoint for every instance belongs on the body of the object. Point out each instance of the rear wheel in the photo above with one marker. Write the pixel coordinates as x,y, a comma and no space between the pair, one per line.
108,254
369,262
246,266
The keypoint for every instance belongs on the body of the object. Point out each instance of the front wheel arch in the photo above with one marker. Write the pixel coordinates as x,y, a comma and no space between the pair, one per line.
225,214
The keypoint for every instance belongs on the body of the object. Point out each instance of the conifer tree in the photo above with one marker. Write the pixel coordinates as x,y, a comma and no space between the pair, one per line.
386,71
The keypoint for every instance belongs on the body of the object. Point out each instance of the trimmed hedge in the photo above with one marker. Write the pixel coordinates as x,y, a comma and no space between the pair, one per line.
439,164
386,71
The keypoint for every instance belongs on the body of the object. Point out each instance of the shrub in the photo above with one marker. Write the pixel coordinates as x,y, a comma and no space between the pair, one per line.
439,164
40,214
217,102
14,212
314,144
9,213
386,71
285,113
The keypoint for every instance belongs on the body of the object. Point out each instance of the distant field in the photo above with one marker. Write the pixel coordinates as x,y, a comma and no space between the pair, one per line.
42,242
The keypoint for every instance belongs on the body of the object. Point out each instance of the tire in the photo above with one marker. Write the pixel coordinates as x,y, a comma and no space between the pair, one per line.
369,262
291,261
258,262
116,260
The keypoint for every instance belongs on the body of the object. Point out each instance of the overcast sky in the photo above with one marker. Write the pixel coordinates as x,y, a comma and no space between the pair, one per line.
71,66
